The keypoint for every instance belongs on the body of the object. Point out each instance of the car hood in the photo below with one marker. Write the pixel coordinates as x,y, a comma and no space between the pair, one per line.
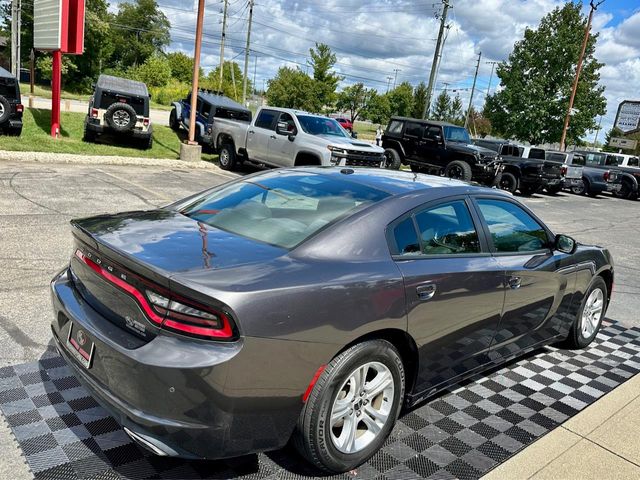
169,243
346,143
470,149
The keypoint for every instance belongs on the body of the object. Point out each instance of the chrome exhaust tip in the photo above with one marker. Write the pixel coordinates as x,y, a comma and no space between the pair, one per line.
146,443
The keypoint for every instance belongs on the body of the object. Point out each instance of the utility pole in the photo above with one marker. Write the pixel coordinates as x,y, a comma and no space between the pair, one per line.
15,37
493,65
473,89
446,86
595,140
224,33
255,69
389,83
196,74
246,55
395,76
436,55
587,30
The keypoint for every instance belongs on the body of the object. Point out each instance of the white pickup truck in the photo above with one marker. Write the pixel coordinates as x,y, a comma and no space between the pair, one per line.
282,137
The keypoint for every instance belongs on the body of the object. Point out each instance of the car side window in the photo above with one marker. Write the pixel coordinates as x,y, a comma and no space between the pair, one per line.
633,162
433,132
414,129
447,229
406,237
593,159
265,119
512,229
578,160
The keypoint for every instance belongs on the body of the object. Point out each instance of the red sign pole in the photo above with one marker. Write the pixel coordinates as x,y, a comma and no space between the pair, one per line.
56,81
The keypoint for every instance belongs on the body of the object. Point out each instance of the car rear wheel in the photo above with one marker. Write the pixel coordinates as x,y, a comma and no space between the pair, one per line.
88,135
227,157
352,407
459,170
528,190
393,160
578,189
554,189
590,315
121,117
508,182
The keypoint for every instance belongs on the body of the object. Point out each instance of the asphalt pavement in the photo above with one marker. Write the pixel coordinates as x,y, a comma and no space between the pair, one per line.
38,200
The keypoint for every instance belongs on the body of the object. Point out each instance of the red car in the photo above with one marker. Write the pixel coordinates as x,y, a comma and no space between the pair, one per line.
346,123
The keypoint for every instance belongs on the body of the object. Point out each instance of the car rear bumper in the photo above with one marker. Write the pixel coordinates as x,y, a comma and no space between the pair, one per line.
182,397
572,182
94,126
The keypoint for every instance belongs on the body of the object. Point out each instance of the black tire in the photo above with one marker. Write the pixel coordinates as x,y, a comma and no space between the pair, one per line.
313,434
418,169
626,191
173,120
148,143
5,110
393,159
459,170
227,157
578,189
579,336
588,190
121,117
555,189
509,182
14,131
529,190
88,135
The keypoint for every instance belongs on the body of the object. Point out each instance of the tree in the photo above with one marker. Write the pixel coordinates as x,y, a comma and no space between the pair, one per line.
232,79
456,114
290,88
181,67
140,29
419,100
615,132
355,99
155,71
537,80
442,108
325,81
401,99
378,109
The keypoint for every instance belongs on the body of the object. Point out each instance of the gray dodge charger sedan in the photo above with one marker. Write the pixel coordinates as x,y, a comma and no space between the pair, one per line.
312,305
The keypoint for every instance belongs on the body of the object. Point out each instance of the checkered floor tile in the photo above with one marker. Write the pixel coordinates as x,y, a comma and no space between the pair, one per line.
65,434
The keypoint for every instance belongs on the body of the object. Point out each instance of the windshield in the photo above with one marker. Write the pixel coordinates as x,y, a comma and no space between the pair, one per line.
456,134
321,126
281,209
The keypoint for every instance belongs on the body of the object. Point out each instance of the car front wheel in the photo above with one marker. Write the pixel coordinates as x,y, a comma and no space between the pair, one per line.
590,315
459,170
352,407
227,158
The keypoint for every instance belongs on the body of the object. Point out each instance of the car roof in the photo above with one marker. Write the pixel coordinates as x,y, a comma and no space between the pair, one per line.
221,101
6,74
430,122
122,85
394,182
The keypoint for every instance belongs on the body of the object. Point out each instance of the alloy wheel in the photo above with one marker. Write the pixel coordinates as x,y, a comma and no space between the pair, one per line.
121,118
224,158
362,407
1,110
592,312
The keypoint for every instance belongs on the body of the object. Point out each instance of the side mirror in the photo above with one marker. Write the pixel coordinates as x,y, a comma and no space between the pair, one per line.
435,139
565,244
284,128
354,134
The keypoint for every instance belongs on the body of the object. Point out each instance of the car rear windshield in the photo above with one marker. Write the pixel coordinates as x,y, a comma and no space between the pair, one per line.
281,209
8,88
456,134
321,126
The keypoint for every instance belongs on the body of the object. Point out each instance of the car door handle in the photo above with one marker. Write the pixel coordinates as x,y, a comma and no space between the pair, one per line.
251,131
426,291
514,282
273,137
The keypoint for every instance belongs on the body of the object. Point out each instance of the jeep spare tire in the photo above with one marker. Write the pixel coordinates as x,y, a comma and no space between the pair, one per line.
121,117
5,109
459,170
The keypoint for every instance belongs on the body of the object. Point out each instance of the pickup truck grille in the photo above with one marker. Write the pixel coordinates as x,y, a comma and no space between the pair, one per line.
363,159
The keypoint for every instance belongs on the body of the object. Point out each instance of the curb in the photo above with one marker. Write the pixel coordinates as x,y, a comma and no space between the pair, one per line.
48,157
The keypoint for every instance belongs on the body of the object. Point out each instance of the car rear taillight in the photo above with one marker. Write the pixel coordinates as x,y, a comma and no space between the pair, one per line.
94,112
563,171
19,108
183,316
606,176
145,121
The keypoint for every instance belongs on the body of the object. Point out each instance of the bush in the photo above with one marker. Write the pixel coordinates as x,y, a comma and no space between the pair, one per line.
155,71
171,92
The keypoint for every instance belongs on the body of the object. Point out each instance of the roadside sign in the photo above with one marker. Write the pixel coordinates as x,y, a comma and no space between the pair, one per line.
628,116
625,143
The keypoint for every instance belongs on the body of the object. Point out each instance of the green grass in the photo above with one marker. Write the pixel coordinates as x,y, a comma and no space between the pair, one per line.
366,131
36,138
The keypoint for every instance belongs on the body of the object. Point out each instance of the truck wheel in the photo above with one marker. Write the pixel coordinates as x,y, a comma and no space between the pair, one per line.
509,182
578,189
459,170
528,190
554,189
121,117
5,110
88,135
227,157
393,160
588,190
173,120
626,190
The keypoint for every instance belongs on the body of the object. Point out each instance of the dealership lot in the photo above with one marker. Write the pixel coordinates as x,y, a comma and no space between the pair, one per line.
36,202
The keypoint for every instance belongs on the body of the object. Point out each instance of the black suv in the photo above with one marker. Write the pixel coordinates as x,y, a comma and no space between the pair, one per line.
11,107
119,106
440,148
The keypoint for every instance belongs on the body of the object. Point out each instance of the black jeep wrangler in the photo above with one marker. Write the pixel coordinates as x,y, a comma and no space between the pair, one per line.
439,148
525,168
11,107
119,106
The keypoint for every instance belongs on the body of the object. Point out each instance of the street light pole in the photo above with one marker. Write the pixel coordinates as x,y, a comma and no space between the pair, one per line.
587,30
